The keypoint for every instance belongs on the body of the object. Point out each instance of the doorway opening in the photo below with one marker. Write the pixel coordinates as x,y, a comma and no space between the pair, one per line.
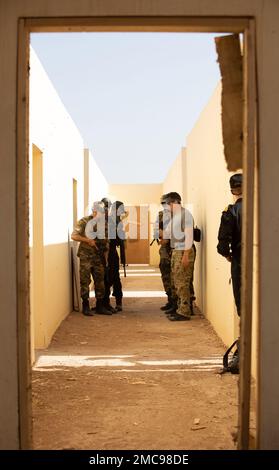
28,26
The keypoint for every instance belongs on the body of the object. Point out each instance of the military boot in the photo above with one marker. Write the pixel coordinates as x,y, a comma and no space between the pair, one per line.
177,317
86,308
101,309
169,303
109,307
118,307
192,300
172,309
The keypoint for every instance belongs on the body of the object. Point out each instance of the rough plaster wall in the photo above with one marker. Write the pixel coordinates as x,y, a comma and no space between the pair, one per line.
268,75
231,67
9,437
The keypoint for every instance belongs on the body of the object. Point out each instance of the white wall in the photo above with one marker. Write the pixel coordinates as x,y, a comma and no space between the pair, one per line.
97,184
53,131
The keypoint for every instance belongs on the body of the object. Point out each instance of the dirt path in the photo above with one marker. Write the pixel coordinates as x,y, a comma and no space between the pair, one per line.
134,381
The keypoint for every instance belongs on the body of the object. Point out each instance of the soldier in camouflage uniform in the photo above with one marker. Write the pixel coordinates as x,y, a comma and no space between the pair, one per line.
182,259
92,253
162,221
114,214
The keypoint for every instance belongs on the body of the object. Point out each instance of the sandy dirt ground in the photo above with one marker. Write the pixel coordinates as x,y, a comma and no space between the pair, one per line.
134,380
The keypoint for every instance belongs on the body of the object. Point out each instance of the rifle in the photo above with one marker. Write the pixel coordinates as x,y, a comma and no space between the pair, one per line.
123,255
107,274
106,266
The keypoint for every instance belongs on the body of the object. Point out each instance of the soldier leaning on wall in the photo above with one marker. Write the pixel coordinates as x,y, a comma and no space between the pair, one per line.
92,253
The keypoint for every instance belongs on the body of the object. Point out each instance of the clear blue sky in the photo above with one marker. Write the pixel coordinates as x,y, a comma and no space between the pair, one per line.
133,96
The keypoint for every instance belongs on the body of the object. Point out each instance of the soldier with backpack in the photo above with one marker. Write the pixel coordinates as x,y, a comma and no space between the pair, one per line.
92,253
116,234
229,246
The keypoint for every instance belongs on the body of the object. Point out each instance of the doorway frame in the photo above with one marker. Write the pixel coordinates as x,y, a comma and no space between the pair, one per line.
26,26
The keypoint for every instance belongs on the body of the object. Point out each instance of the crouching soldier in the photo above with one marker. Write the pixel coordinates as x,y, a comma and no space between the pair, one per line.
90,232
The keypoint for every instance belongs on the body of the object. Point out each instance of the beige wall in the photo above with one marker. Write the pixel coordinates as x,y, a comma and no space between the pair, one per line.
12,373
141,194
174,180
95,184
207,192
64,163
54,133
200,175
36,246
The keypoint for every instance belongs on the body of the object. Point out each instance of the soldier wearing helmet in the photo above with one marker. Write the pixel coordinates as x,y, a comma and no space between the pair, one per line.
93,245
229,236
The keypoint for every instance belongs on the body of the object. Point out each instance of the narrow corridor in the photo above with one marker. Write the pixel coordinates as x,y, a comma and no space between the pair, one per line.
134,380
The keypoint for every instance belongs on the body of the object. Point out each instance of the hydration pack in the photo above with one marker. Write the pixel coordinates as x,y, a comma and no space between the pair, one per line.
197,234
231,365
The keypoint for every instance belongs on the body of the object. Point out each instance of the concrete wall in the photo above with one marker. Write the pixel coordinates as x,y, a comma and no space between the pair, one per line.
64,164
141,194
13,410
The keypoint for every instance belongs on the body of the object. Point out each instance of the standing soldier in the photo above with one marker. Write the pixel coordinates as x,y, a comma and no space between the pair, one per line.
116,239
92,253
161,223
182,259
229,246
229,236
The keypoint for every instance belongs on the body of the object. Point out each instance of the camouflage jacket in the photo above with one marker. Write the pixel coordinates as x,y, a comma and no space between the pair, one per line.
84,248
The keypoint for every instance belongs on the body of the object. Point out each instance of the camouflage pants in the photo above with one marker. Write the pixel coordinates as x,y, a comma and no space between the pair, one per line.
181,280
165,268
92,265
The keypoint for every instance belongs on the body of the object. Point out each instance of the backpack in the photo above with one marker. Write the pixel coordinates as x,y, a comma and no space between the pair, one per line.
197,234
232,365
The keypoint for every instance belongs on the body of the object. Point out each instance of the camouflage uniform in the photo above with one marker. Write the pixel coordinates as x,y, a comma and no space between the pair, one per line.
181,281
181,277
165,256
165,266
112,278
92,262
